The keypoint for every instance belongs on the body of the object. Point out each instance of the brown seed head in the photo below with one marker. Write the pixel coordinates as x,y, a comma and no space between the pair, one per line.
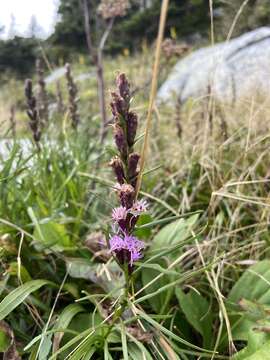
112,8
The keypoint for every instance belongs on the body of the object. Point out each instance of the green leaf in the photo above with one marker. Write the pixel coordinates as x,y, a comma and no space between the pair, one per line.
45,347
107,355
169,333
159,301
124,341
24,274
67,315
258,347
245,298
83,269
253,285
143,232
82,324
5,340
17,296
167,238
136,353
64,320
173,233
198,313
137,350
52,235
156,267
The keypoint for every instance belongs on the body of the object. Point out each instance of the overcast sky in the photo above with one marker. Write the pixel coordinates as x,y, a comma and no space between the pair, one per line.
44,11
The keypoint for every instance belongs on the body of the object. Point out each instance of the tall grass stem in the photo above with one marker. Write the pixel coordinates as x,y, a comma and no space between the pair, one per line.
162,23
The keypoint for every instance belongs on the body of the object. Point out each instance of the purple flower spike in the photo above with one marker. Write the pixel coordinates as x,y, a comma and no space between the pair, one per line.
126,249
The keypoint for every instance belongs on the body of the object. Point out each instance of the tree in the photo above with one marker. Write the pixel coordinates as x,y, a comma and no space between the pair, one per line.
18,56
253,14
34,29
109,10
12,31
140,22
2,28
69,30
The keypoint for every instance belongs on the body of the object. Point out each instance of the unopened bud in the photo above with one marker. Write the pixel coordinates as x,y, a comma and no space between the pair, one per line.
118,105
120,140
123,87
132,167
118,169
127,195
132,124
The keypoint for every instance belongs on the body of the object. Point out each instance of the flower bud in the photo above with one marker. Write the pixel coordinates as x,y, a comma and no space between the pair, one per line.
118,105
127,195
120,140
133,160
118,169
132,124
123,87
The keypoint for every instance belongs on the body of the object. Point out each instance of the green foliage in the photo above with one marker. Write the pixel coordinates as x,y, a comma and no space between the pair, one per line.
258,347
139,24
250,293
69,31
198,313
18,295
254,14
52,235
4,341
18,56
174,233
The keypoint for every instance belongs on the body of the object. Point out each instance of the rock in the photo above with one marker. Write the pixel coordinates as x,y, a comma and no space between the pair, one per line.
60,73
55,75
233,70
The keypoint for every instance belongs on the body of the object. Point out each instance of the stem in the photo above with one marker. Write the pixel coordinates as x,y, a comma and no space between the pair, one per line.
87,27
96,56
123,301
100,77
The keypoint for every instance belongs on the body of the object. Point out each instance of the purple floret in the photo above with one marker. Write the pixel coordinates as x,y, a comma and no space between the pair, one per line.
139,207
119,216
127,248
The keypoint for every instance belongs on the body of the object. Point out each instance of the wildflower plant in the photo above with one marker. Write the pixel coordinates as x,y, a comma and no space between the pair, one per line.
126,247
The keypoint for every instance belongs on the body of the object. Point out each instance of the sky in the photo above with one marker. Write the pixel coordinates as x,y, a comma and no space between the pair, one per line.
22,10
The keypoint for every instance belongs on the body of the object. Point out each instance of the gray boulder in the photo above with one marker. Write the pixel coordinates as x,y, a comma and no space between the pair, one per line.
233,69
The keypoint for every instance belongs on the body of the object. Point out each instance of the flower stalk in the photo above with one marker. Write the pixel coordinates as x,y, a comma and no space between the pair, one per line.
126,248
32,112
42,97
72,98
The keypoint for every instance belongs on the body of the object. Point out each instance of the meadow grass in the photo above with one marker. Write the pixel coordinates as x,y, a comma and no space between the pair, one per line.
201,290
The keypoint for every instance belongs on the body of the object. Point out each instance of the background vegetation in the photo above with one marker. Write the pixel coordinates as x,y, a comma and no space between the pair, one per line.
202,287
